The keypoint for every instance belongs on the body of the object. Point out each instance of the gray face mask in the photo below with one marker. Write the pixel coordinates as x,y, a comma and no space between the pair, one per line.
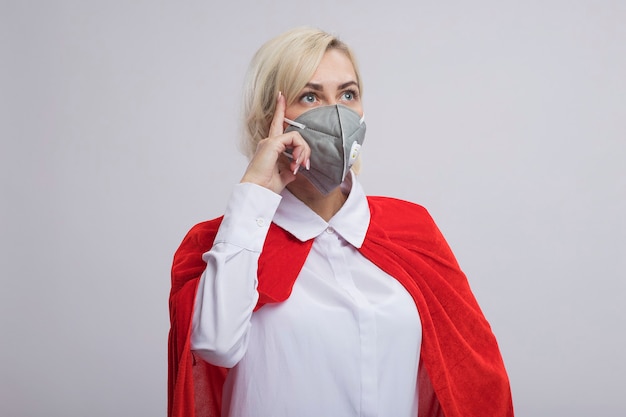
335,135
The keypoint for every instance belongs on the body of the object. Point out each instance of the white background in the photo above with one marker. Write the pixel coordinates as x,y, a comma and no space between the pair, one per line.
118,127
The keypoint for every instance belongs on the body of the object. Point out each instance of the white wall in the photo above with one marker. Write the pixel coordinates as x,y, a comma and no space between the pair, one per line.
118,121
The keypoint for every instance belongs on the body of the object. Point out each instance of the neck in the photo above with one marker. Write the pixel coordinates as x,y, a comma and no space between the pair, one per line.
325,206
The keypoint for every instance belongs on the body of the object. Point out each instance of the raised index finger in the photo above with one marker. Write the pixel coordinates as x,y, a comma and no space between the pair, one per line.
276,127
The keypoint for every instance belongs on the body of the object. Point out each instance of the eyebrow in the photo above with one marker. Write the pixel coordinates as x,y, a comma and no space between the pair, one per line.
318,87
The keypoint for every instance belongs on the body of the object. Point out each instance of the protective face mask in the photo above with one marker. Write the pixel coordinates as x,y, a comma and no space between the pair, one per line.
335,135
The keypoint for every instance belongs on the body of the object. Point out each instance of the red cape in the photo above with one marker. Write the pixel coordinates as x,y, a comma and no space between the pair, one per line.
461,370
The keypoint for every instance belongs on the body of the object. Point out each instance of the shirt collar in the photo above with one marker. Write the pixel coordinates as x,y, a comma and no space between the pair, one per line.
351,221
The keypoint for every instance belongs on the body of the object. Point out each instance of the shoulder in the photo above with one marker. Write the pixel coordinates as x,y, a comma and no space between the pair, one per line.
390,212
408,225
391,202
198,240
203,234
187,263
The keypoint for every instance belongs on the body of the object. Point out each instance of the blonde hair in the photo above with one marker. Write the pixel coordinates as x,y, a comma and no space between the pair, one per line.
286,64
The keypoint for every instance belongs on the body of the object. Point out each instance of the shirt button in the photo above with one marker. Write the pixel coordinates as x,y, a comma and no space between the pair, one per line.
330,230
260,222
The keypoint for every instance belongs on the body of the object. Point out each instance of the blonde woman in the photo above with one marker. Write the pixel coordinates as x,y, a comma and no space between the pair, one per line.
308,298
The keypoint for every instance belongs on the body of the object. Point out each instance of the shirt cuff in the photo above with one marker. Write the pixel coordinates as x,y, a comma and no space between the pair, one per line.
248,216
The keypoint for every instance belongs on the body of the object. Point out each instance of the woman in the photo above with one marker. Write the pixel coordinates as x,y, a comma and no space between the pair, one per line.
308,298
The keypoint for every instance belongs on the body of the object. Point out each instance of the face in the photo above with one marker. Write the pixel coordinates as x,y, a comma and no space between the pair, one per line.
334,82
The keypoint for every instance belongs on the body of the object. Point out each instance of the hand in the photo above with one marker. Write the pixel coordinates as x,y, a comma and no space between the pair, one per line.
268,167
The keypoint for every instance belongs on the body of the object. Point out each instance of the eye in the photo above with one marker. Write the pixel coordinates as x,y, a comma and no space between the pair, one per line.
308,98
349,95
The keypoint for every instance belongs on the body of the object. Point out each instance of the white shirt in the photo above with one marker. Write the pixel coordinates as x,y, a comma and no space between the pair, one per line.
345,343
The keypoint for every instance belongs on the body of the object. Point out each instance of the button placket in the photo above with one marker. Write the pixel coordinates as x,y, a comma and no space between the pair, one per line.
365,317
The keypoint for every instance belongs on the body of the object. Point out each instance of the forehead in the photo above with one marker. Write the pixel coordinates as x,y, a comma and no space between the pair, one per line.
335,67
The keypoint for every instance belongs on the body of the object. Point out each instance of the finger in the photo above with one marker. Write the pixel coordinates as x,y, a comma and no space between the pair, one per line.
276,127
300,151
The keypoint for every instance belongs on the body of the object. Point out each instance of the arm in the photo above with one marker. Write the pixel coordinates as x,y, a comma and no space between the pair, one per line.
227,294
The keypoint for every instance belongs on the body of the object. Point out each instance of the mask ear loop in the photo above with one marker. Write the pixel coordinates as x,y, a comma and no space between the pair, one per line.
294,123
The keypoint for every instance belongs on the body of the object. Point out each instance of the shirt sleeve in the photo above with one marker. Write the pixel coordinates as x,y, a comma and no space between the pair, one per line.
227,291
